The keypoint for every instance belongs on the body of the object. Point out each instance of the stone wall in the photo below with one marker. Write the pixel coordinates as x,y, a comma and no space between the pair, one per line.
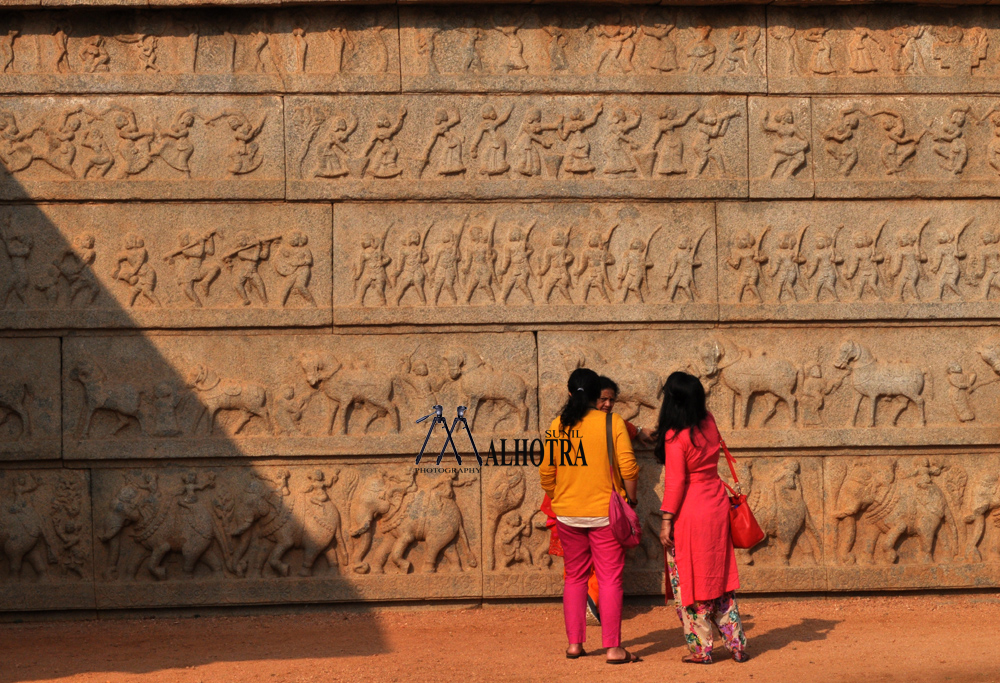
242,252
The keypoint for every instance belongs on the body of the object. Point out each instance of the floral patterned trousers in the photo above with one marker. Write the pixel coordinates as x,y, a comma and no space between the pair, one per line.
697,619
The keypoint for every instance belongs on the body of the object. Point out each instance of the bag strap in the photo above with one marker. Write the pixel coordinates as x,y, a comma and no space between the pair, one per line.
731,461
612,456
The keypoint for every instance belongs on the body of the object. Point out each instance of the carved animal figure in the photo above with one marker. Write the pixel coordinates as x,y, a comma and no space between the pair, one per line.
504,494
352,386
982,499
215,394
23,534
15,399
379,497
781,510
481,383
747,376
119,398
873,380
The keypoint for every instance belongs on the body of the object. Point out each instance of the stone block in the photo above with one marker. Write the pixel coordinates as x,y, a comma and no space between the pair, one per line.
220,395
256,534
165,265
524,263
46,539
141,147
781,159
319,49
30,399
495,147
858,260
810,387
906,146
593,49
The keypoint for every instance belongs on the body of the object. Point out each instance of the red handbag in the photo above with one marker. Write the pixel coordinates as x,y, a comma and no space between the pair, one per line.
742,524
622,518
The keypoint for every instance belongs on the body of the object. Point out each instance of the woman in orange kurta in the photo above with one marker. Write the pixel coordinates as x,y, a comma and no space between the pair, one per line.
700,559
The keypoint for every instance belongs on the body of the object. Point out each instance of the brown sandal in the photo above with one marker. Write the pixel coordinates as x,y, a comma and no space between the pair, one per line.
581,653
627,659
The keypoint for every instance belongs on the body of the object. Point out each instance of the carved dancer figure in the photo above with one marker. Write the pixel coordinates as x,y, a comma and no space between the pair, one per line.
908,258
263,56
450,159
147,53
859,51
494,144
132,267
15,153
862,264
369,270
60,45
789,151
244,153
76,265
509,24
812,395
745,258
59,151
635,262
824,266
301,48
94,55
951,145
899,147
987,264
905,56
571,132
558,61
7,50
670,158
175,148
619,146
193,269
332,153
711,126
680,271
133,149
427,46
787,262
245,261
736,59
949,261
340,38
530,139
785,35
101,157
480,262
594,262
618,42
840,140
557,259
18,249
444,268
380,151
820,62
665,57
517,262
471,56
294,262
410,265
701,51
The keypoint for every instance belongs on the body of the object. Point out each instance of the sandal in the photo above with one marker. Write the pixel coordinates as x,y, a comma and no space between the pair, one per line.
581,653
696,659
740,656
627,659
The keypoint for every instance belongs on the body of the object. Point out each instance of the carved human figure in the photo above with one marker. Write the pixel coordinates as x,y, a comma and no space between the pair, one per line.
165,401
788,153
480,262
245,261
175,147
557,259
701,51
813,392
60,44
444,267
823,268
785,36
786,264
132,267
18,249
7,50
192,268
840,140
680,269
592,267
289,405
993,148
859,50
986,264
494,144
632,274
665,58
557,42
907,259
339,38
577,159
76,266
862,265
332,154
410,271
951,146
820,62
979,41
470,54
619,147
513,59
961,384
711,126
905,56
381,151
618,42
101,157
243,152
427,47
670,157
294,262
16,154
94,55
510,540
737,59
300,48
370,269
133,149
899,146
530,140
948,261
450,158
515,266
746,258
262,53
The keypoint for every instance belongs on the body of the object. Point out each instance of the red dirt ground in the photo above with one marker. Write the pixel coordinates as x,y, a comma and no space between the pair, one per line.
945,637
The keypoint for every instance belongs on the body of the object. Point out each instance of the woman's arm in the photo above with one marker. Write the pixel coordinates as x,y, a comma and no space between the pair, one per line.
626,456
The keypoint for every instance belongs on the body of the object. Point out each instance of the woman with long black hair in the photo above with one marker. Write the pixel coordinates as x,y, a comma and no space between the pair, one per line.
581,494
701,562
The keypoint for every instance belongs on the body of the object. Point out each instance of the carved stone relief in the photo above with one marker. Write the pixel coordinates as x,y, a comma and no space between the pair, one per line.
781,157
141,147
615,48
164,265
46,545
321,531
254,395
523,263
467,146
320,49
30,399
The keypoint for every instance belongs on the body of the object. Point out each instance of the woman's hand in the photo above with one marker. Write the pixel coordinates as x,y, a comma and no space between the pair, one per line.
667,533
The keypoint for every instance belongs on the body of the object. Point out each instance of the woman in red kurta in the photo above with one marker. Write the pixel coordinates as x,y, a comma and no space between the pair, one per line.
700,559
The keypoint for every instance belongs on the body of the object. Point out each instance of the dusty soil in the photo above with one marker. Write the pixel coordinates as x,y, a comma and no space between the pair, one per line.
912,638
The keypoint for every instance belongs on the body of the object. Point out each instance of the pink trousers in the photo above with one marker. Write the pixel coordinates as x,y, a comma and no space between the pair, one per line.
581,548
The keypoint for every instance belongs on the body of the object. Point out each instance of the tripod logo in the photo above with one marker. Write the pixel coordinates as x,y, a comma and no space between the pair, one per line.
439,419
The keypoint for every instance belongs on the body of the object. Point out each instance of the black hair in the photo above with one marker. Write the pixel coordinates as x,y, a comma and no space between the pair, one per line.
608,383
584,389
683,407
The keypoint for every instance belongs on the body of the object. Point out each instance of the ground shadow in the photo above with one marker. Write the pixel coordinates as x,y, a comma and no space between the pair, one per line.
806,631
